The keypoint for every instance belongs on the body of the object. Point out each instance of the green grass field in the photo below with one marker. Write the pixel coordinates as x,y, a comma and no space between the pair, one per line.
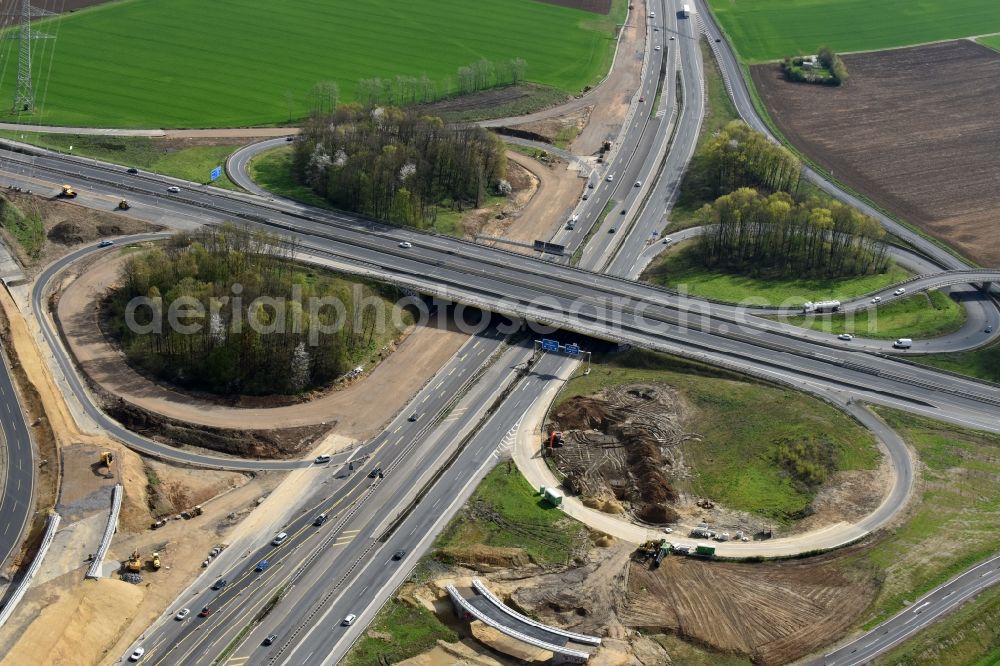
925,315
980,363
545,533
410,631
742,427
188,63
953,522
678,269
771,29
194,163
993,42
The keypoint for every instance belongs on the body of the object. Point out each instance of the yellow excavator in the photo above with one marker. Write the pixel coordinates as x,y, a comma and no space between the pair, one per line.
123,205
107,457
135,562
156,561
67,192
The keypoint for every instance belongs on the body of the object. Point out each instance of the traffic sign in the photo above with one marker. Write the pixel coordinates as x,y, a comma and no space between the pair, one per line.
216,172
550,345
572,350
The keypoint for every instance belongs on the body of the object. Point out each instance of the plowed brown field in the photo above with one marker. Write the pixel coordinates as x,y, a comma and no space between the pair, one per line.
914,129
773,613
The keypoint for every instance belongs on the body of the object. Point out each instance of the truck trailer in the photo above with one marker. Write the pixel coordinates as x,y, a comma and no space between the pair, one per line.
685,11
821,306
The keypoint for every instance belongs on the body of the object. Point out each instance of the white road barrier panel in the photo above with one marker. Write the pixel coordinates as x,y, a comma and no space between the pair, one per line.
116,504
50,534
577,638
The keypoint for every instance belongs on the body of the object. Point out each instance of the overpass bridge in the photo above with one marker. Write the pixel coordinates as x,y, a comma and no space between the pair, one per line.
478,603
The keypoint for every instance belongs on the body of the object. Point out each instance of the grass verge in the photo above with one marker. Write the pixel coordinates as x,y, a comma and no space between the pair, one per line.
970,636
762,448
980,363
400,631
505,512
679,269
272,170
924,315
194,163
954,520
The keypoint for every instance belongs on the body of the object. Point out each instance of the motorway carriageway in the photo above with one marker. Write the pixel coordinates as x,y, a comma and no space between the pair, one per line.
18,482
314,563
544,292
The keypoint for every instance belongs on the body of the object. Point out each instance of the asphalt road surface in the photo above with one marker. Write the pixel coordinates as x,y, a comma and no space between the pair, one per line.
917,616
18,473
317,562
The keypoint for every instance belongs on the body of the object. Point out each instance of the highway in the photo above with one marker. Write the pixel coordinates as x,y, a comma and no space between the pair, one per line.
318,562
920,614
570,298
18,473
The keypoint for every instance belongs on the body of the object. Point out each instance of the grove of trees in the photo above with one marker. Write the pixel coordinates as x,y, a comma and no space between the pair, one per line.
754,233
241,342
396,165
827,68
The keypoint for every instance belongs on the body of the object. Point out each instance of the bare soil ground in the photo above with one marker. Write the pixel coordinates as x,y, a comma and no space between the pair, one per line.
611,100
596,6
358,409
546,205
772,613
485,99
914,129
620,449
550,128
67,227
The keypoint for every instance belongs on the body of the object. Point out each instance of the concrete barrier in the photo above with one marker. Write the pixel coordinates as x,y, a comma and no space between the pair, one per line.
576,638
22,587
109,531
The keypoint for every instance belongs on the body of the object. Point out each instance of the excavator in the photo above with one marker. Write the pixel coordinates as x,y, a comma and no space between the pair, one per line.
107,457
67,192
155,561
123,205
134,563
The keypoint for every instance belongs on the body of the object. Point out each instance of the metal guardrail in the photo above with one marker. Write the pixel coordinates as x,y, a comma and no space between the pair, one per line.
22,587
464,604
109,531
578,638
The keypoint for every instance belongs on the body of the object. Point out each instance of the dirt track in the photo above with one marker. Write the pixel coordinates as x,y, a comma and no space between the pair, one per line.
359,410
914,129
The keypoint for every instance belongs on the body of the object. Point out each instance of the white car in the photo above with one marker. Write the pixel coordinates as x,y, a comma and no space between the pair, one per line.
668,239
610,178
845,336
406,245
137,655
182,613
877,299
349,620
173,189
638,183
656,48
280,539
899,292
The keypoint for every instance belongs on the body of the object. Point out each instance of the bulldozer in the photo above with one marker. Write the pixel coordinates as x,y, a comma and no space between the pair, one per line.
134,563
155,562
67,192
123,205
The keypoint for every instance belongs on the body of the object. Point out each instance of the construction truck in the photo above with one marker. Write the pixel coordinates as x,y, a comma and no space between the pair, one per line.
123,205
134,563
155,561
67,192
663,551
705,551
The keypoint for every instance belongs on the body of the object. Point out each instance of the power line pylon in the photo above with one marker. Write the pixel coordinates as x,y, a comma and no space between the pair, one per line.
24,93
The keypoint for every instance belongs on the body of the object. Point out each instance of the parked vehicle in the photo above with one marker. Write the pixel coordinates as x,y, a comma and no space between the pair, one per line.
903,343
845,336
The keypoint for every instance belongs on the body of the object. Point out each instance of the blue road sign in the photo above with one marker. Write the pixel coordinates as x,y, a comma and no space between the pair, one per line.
572,350
550,345
216,172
